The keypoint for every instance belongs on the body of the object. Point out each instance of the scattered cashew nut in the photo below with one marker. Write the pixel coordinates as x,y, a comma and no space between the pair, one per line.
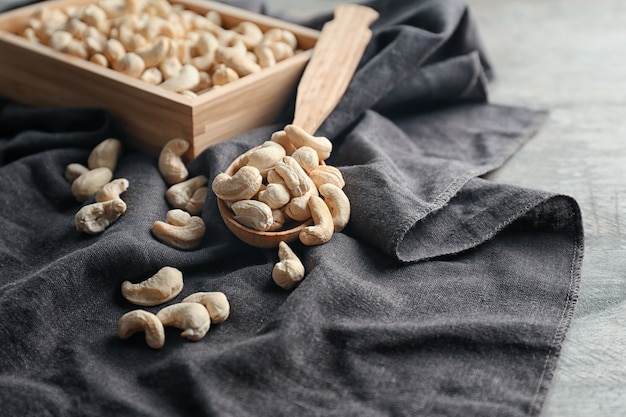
171,165
289,271
192,318
160,288
105,154
179,195
112,190
96,217
216,304
87,184
142,321
181,231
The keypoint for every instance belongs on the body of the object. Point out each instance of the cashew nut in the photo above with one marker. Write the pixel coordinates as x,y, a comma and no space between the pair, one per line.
154,54
187,79
307,157
160,288
327,174
130,64
281,138
195,205
179,195
142,321
299,138
105,154
223,75
279,220
289,271
193,318
152,76
241,186
96,217
323,227
171,165
265,156
338,204
112,190
181,231
87,184
294,176
74,170
253,214
216,304
275,195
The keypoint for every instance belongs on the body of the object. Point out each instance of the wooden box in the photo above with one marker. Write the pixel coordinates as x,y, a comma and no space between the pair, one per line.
37,75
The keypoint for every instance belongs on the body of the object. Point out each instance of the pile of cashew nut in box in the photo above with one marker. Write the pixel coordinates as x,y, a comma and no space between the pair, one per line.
160,43
278,183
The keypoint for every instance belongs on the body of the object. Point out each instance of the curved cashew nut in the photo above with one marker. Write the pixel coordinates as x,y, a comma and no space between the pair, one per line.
74,170
105,154
187,79
130,64
322,230
154,54
274,35
193,318
181,231
298,208
152,76
142,321
281,138
243,185
265,156
307,157
216,304
87,184
253,214
338,204
160,288
299,137
289,271
171,165
95,218
275,195
112,190
279,220
179,195
327,174
195,205
294,176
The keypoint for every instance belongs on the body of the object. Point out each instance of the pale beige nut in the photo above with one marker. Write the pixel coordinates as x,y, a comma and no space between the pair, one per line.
87,184
100,60
187,79
223,75
275,195
95,218
215,302
181,230
265,156
294,176
241,63
265,56
142,321
192,318
154,53
281,138
112,190
289,271
307,157
280,35
279,220
195,205
160,288
274,178
298,207
338,204
322,229
250,33
253,214
170,67
179,195
152,76
327,174
171,164
74,170
113,50
130,64
207,44
299,138
105,154
244,184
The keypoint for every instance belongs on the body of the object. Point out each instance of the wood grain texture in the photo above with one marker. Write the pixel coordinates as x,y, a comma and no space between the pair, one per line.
36,75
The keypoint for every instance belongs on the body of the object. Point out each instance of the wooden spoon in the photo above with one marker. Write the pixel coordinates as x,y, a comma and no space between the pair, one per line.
337,53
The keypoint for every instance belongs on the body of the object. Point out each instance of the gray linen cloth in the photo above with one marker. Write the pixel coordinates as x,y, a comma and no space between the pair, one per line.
446,295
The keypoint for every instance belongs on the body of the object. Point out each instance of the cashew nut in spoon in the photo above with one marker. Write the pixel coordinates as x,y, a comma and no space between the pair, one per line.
192,318
160,288
244,184
216,304
171,165
299,137
338,204
142,321
289,271
253,214
325,174
294,176
322,229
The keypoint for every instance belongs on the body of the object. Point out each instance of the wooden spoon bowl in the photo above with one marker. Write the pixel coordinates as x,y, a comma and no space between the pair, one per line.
335,57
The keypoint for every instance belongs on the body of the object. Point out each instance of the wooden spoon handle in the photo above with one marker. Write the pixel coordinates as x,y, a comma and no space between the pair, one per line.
337,53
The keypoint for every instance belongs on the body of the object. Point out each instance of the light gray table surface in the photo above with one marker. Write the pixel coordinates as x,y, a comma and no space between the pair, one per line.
569,57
